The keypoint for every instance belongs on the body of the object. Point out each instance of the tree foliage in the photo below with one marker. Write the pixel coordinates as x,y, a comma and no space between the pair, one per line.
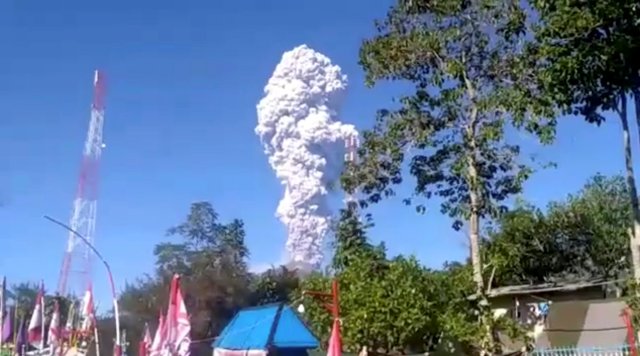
584,236
586,53
211,256
387,305
471,84
585,59
22,296
384,304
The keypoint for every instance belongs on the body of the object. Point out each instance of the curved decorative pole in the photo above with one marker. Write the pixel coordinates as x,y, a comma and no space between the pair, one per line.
116,314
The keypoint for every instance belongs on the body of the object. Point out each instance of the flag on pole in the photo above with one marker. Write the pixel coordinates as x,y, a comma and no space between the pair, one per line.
54,325
3,296
35,332
335,342
70,318
21,337
3,315
87,310
145,342
158,338
7,326
179,327
147,336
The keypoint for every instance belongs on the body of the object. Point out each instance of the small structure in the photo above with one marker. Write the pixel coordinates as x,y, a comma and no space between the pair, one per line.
577,314
273,329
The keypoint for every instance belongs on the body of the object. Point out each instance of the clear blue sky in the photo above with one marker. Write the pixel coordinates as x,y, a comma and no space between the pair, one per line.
183,82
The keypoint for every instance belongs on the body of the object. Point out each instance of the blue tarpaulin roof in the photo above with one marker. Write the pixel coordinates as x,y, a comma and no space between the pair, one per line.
256,328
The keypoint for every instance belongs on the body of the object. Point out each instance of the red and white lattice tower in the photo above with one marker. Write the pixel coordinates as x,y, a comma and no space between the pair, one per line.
351,147
77,257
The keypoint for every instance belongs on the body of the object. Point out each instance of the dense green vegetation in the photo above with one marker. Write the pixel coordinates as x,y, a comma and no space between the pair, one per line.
388,303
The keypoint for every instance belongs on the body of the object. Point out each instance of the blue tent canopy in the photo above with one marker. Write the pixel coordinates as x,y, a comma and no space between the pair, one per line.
264,327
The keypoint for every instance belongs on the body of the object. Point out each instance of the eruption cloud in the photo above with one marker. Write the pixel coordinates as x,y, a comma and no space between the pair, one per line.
305,144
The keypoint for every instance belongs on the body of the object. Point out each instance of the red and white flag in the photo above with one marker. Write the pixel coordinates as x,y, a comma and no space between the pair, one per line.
54,325
145,343
335,342
36,324
158,338
178,325
147,336
87,311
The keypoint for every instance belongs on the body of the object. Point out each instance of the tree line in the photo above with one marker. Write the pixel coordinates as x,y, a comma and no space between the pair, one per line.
390,304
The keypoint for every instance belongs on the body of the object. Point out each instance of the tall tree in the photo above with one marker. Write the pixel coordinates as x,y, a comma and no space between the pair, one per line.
351,240
211,257
586,58
463,58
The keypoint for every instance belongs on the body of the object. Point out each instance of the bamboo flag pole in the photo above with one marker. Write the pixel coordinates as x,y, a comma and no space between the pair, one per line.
42,315
96,336
15,324
2,313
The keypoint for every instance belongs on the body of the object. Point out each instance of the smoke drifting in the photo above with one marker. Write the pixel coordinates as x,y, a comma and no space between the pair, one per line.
304,141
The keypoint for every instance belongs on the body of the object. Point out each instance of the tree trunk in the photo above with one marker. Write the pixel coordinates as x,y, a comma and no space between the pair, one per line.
475,205
474,243
631,184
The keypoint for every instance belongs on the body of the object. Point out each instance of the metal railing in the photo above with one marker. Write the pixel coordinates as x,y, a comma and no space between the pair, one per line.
620,350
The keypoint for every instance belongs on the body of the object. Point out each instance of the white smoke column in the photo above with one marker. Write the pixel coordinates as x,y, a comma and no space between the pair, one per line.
298,127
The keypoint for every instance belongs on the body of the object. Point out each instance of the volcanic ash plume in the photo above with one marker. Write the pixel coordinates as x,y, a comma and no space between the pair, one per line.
298,127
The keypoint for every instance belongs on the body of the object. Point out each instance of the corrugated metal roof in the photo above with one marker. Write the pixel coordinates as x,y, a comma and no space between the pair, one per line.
564,286
251,328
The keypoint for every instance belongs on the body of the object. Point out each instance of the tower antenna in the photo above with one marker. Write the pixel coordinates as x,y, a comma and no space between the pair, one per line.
77,257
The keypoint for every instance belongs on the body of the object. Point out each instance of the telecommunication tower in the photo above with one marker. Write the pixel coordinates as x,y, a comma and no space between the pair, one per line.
77,257
351,147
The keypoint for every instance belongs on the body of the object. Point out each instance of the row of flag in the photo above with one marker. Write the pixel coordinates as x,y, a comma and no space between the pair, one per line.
172,337
35,333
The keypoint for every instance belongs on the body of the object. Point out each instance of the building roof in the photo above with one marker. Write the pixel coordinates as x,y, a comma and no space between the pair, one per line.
548,287
270,325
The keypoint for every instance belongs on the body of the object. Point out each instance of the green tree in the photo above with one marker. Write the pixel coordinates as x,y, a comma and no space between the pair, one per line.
471,84
23,297
458,321
211,257
582,236
351,240
596,218
520,249
276,284
585,54
385,305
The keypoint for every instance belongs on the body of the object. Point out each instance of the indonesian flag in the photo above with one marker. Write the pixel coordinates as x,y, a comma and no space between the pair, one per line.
54,325
145,343
179,327
87,310
335,344
158,338
71,316
147,336
35,330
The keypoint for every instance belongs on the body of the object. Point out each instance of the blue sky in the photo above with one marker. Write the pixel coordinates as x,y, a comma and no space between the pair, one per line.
183,82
